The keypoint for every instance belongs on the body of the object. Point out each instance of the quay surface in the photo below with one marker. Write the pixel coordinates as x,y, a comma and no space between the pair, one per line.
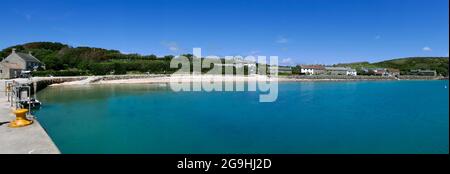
32,139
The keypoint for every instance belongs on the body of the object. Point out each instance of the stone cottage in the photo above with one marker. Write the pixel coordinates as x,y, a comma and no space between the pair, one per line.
13,65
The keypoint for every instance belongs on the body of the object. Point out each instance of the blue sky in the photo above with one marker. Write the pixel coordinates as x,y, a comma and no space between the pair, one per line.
298,31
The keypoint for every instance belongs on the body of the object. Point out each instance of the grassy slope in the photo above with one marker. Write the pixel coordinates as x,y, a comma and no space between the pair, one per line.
440,64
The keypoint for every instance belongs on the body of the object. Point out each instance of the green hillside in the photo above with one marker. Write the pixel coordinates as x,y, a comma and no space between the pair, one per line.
64,60
58,56
440,64
98,61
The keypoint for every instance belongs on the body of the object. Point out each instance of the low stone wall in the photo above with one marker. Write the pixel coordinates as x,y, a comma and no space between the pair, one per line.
331,77
127,77
337,77
43,83
407,77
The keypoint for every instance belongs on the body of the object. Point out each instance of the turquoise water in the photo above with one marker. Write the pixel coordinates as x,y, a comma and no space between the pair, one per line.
400,117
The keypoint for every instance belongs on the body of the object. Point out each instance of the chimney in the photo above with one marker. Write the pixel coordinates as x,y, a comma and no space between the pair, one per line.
13,50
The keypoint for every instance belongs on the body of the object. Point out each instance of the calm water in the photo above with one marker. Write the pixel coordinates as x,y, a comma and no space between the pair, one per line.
320,117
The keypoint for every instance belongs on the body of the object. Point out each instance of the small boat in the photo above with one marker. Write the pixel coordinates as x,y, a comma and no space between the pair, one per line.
30,103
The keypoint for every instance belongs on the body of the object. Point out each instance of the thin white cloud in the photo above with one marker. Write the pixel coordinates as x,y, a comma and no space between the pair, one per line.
427,49
254,53
282,40
287,62
172,46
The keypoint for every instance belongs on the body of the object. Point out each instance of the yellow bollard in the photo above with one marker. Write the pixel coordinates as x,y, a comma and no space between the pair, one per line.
21,119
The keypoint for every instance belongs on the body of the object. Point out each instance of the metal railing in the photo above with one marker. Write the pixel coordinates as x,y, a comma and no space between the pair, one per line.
14,92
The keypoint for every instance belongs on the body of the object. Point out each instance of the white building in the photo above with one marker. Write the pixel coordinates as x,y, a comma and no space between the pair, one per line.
312,69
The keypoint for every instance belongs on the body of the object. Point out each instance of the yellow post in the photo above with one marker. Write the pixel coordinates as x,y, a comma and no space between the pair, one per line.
21,119
8,88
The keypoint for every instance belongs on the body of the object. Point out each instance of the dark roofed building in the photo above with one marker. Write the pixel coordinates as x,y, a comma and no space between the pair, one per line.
312,69
28,57
393,72
341,71
15,62
420,72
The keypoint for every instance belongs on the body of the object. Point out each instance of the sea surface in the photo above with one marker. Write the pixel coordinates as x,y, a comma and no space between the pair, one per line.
383,117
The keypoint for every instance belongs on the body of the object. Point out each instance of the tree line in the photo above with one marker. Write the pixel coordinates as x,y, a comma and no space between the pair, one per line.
64,60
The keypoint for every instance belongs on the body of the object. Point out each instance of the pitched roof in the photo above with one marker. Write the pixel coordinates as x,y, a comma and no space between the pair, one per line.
392,70
339,69
380,72
28,57
316,67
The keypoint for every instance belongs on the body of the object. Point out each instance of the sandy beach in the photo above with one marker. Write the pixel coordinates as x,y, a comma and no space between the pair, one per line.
144,79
